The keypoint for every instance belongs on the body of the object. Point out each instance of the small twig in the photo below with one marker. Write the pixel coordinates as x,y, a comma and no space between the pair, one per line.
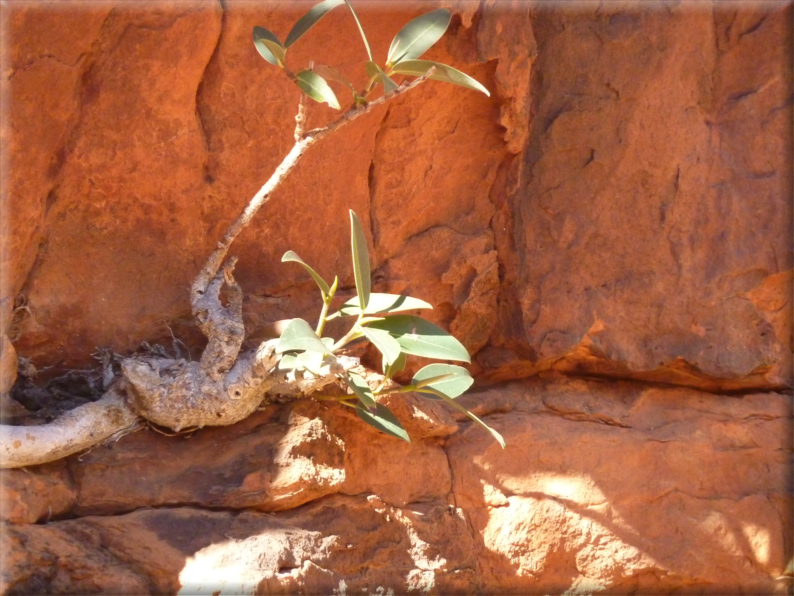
327,299
354,333
176,341
300,118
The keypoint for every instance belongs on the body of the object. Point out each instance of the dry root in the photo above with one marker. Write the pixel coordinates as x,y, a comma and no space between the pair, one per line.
74,431
224,387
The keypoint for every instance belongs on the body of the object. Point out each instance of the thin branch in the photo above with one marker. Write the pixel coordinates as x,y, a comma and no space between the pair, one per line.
214,261
300,118
354,113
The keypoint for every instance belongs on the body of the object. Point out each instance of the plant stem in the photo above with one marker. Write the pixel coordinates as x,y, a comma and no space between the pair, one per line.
326,305
323,319
354,333
340,399
300,118
308,139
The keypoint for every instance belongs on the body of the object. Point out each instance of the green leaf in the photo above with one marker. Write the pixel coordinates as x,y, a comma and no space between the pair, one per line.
375,71
443,73
300,336
454,379
382,303
310,19
419,35
316,87
269,46
288,362
368,320
292,257
358,243
384,421
389,370
457,406
360,28
314,362
385,343
330,73
311,361
421,338
359,386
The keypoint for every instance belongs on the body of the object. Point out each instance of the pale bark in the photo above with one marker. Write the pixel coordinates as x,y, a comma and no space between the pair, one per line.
74,431
224,387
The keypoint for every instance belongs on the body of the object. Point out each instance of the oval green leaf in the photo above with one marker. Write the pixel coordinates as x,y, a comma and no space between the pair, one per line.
310,19
384,421
421,338
288,362
360,28
359,386
447,74
389,370
300,336
419,35
382,303
457,406
454,381
385,343
311,361
317,88
292,257
269,46
375,71
358,243
331,74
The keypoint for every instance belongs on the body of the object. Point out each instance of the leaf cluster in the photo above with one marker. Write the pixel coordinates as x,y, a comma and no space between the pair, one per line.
410,43
396,336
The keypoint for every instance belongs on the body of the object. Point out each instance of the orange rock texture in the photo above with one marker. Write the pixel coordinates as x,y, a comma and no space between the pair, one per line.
612,487
619,208
597,214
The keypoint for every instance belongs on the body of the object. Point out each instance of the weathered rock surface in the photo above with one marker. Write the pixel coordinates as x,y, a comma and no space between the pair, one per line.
28,496
277,459
654,195
612,208
627,489
604,487
619,207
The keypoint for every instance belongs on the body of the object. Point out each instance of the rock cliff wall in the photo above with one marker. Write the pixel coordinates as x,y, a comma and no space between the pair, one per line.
619,208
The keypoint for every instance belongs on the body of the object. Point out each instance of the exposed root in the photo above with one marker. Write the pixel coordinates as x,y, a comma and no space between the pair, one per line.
224,387
74,431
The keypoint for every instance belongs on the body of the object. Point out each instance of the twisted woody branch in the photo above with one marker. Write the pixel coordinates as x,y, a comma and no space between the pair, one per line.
224,386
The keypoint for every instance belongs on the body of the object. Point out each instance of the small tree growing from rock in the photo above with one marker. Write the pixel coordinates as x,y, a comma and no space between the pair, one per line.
226,385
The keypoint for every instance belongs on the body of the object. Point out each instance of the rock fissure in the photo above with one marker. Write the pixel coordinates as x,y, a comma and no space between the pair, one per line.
581,416
44,57
588,277
372,199
705,384
199,103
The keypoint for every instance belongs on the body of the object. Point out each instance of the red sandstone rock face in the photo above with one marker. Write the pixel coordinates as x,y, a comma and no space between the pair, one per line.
604,487
653,195
597,213
620,206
